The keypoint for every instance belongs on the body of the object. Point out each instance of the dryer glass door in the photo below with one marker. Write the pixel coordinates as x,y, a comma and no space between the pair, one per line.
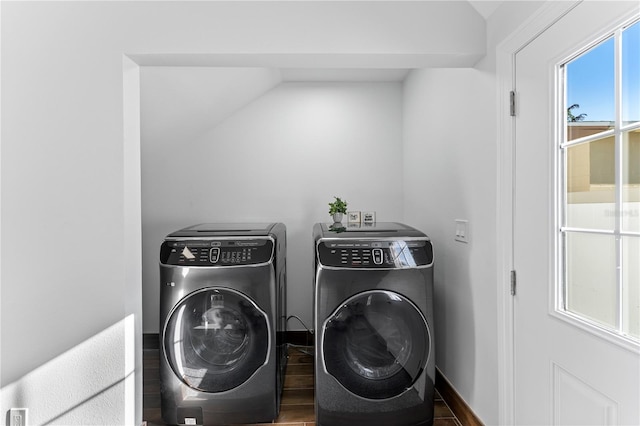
215,339
376,344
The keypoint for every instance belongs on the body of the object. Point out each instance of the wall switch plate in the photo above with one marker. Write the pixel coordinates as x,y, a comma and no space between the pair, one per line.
462,230
18,416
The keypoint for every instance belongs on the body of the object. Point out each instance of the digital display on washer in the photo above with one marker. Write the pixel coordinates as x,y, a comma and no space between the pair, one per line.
216,252
375,254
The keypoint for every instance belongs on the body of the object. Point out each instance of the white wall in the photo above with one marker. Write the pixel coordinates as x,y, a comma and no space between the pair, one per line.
450,155
70,218
450,174
281,158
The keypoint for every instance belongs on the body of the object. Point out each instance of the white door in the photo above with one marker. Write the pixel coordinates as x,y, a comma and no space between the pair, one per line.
569,366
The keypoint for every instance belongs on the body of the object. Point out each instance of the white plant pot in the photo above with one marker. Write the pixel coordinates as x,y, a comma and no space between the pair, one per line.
337,217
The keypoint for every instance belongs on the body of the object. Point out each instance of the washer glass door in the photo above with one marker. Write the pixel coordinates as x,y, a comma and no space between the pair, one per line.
215,339
376,344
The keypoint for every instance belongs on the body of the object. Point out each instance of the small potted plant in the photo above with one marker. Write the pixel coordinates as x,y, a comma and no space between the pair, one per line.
337,209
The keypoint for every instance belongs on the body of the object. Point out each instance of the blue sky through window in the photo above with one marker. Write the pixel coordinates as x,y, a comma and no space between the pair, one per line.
631,73
590,79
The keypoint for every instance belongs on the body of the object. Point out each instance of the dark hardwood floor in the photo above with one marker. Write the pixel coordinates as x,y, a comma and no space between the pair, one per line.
297,407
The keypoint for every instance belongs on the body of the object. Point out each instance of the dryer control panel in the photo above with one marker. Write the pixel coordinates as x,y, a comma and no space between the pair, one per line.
218,252
382,254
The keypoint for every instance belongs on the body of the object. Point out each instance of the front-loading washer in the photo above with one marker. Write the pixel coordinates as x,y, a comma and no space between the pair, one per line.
222,323
373,317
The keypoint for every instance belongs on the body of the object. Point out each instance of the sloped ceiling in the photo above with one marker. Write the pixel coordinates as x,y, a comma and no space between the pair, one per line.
178,104
339,41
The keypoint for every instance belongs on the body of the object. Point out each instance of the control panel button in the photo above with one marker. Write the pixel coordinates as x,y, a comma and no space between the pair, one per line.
214,254
377,256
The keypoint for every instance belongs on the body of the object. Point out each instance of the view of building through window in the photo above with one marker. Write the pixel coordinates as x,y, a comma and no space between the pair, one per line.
600,185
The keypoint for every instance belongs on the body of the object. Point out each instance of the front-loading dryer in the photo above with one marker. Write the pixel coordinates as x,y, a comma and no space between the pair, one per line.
373,316
222,320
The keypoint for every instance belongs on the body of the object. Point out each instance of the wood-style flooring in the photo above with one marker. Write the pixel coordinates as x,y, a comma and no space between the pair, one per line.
297,407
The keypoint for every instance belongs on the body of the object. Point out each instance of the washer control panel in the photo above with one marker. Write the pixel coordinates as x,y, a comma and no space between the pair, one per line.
218,252
382,254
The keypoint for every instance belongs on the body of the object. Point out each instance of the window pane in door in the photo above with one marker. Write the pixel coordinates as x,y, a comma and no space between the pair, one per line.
600,186
590,268
631,286
631,74
590,185
631,181
590,85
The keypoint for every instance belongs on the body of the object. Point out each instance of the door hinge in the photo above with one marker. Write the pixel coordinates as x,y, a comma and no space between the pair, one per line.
512,103
513,282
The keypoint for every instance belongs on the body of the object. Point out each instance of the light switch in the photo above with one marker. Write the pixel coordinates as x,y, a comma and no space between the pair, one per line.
462,230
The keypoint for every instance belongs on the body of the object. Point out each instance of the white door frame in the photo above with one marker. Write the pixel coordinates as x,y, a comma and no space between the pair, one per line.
546,16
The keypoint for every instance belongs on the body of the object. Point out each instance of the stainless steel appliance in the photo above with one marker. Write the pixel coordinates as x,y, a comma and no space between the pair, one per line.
373,301
222,320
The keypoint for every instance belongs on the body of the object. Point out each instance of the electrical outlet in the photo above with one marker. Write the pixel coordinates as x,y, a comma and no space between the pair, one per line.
462,230
18,416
